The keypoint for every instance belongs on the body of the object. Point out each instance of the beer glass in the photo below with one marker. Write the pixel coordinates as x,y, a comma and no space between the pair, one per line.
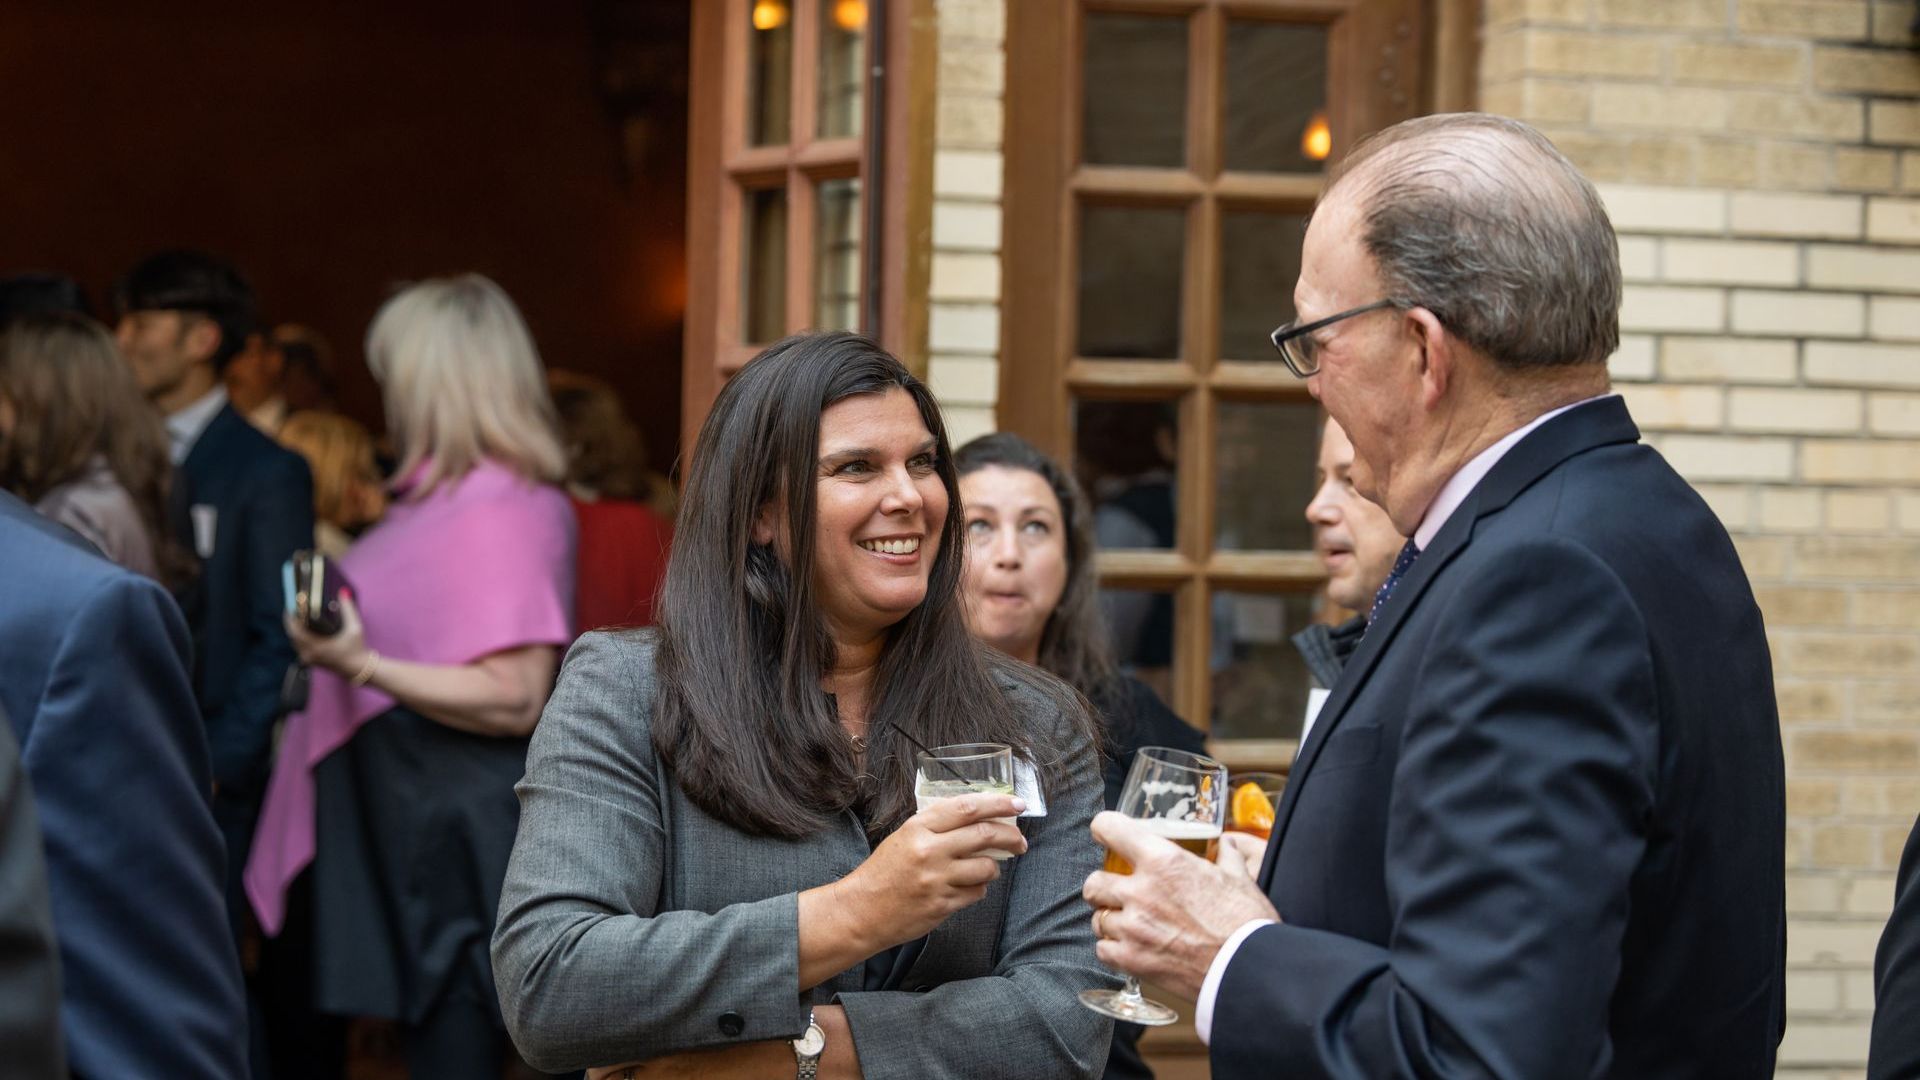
948,772
1181,797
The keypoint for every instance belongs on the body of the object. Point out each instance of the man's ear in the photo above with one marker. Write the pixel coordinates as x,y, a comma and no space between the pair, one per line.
1439,353
201,338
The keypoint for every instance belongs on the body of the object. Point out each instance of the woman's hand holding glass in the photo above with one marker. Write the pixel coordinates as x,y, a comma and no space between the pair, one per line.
934,864
938,862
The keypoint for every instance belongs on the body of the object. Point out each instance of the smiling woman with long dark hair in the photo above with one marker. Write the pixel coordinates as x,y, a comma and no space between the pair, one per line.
720,869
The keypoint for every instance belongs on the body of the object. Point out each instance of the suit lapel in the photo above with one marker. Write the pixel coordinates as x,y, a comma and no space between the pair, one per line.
1600,423
209,447
1453,537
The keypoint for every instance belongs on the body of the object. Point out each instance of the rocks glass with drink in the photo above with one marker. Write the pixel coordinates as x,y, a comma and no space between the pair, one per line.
1183,798
948,772
1255,795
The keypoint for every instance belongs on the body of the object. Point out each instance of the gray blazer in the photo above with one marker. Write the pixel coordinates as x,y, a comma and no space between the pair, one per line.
634,925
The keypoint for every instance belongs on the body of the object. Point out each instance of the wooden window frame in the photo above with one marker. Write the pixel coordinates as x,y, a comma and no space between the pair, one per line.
1040,374
892,157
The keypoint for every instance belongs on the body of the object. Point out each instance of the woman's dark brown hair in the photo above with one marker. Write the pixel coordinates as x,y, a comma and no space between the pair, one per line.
74,400
742,720
1074,643
604,451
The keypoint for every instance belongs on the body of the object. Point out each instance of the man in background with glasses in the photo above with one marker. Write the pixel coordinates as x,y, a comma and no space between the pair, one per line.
1538,828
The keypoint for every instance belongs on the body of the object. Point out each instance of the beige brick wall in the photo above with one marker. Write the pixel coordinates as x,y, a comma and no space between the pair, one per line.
964,322
1761,159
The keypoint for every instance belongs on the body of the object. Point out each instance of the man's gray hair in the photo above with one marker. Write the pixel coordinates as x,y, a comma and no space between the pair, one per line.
1482,221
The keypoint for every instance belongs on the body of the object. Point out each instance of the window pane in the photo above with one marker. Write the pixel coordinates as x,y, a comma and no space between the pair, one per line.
836,257
1136,90
1276,98
1130,259
763,306
1124,454
1140,628
1259,262
843,41
770,62
1265,454
1259,681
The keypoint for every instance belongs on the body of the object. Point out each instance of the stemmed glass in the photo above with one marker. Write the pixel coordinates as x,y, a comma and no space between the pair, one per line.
1179,796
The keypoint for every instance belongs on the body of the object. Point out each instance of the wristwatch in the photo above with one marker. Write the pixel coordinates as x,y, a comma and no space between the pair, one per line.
808,1048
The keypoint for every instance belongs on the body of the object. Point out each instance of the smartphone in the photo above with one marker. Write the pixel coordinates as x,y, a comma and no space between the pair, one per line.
312,584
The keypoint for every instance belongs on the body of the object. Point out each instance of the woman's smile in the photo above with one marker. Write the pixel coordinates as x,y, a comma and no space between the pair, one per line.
900,550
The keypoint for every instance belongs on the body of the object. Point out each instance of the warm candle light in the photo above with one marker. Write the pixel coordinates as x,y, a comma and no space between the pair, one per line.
851,15
1317,141
769,14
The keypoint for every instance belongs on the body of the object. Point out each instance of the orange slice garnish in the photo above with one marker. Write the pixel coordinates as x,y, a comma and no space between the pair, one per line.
1251,807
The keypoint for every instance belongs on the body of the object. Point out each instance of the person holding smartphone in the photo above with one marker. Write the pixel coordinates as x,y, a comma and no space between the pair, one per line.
396,780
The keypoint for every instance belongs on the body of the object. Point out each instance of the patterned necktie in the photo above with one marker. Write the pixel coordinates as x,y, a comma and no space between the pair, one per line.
1401,565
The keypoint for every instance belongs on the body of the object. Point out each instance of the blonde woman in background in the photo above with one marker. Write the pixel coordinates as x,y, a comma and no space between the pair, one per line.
396,783
347,495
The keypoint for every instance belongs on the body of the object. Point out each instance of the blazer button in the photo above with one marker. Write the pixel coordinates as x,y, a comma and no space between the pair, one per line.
732,1024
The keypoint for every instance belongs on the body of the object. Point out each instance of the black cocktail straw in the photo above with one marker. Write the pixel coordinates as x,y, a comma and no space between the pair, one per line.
918,745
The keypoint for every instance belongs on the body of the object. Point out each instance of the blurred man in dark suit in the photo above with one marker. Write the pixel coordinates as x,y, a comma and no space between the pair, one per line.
93,679
1539,827
248,505
1896,977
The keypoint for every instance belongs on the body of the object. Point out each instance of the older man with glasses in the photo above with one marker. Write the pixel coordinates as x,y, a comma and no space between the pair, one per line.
1537,830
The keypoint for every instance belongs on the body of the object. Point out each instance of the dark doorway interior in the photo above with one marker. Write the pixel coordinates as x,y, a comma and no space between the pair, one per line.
335,150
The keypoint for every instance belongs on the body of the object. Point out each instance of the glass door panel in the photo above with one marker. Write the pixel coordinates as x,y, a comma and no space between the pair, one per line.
1276,97
1135,90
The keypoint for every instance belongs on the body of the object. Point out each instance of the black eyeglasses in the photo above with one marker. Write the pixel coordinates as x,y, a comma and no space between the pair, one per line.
1297,347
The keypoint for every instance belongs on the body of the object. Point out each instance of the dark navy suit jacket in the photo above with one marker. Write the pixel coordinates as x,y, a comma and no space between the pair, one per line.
261,498
1896,978
1538,829
93,678
29,952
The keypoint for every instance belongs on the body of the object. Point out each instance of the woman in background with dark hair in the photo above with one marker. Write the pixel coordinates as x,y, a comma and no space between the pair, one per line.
1032,594
624,511
79,441
1031,591
720,870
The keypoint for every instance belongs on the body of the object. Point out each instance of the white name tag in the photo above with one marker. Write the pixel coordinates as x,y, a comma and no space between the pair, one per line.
1316,698
205,520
